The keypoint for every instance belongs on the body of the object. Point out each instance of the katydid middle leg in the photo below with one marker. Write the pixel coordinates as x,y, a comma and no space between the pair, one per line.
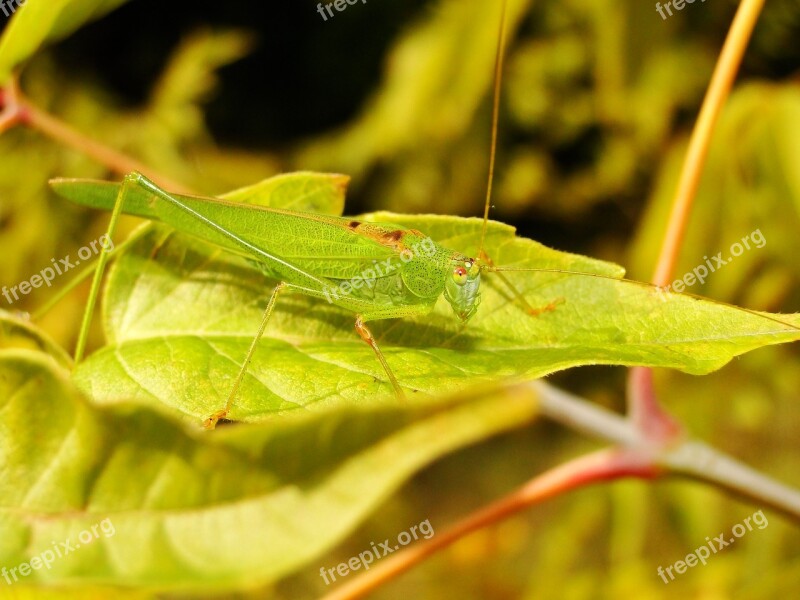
130,181
367,336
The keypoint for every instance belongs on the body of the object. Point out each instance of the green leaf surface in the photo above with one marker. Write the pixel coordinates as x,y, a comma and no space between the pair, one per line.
175,508
17,332
305,191
40,21
179,325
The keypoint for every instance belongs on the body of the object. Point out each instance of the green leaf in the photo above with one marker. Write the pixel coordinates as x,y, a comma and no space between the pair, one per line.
172,508
40,21
321,193
179,326
16,332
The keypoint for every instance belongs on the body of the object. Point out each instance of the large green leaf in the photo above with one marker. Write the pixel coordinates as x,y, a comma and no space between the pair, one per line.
39,21
179,325
173,508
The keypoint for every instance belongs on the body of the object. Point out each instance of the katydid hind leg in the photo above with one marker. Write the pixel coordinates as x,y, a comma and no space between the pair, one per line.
211,421
128,183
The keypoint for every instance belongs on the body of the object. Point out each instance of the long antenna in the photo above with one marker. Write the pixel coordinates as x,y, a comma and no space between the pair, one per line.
498,68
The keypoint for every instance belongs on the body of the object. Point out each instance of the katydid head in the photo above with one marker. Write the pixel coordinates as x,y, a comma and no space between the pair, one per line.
462,287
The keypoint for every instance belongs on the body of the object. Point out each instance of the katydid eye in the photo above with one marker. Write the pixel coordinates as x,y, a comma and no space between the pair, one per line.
460,275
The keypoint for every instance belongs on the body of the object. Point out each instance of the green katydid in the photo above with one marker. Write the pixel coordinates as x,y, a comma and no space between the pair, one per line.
401,272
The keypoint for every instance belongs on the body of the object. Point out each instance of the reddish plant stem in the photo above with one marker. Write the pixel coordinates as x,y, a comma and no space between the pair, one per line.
642,404
11,114
718,91
604,465
646,413
18,110
114,160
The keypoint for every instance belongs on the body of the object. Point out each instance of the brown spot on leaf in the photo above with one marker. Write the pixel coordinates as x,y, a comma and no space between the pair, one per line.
394,236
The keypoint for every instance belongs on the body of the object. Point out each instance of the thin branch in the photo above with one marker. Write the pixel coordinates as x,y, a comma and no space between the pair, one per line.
19,110
8,119
718,90
649,413
678,456
9,100
700,461
596,467
105,155
637,454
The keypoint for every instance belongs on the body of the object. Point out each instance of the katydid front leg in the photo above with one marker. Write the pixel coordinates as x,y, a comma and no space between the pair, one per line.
518,297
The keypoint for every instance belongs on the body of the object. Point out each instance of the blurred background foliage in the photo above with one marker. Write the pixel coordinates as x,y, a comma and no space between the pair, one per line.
598,101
